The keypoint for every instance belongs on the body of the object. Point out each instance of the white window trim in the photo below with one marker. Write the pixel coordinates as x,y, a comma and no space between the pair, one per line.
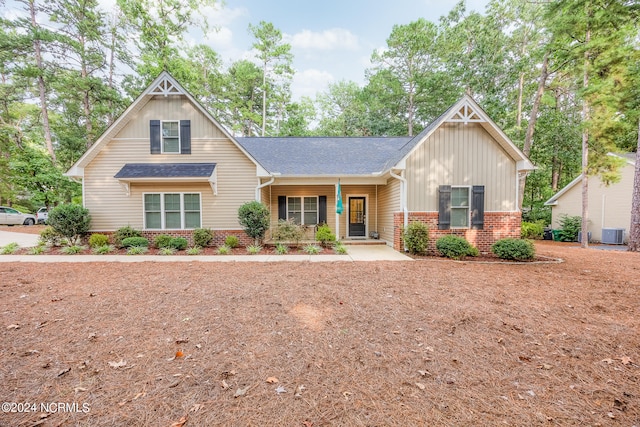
468,226
302,208
366,215
163,212
162,122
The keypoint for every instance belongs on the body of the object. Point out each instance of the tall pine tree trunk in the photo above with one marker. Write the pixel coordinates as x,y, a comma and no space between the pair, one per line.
634,231
585,147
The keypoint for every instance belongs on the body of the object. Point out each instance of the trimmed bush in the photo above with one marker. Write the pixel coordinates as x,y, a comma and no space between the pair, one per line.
325,236
288,231
131,242
70,221
514,249
179,243
416,237
96,240
232,241
532,230
123,233
50,237
162,241
254,217
202,237
455,247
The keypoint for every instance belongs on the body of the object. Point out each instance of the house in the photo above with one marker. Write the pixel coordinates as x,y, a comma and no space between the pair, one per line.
166,166
609,206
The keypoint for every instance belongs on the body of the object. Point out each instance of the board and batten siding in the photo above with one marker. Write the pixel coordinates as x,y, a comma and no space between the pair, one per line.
388,204
107,201
459,154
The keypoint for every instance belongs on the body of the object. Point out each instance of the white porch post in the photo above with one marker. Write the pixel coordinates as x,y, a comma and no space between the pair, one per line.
337,216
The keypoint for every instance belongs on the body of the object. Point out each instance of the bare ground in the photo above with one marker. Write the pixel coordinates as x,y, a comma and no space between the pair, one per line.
429,342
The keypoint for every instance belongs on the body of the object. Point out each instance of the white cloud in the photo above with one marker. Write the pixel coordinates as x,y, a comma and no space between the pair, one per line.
309,82
332,39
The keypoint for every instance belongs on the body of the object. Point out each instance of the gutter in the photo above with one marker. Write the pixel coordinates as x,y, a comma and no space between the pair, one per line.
261,186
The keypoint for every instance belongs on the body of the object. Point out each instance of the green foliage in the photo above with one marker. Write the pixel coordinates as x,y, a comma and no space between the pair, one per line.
70,221
224,250
72,250
123,233
202,237
288,231
232,241
416,237
179,243
254,217
137,250
569,228
97,240
166,251
514,249
103,250
532,230
37,250
340,249
51,237
162,241
130,242
312,249
281,249
455,247
9,249
254,249
195,250
325,236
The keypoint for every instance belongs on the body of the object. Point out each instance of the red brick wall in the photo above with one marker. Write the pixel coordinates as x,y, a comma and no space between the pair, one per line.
218,236
497,225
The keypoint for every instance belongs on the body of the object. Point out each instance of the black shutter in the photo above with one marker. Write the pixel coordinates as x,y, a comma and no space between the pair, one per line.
477,207
154,134
322,209
185,136
282,207
444,207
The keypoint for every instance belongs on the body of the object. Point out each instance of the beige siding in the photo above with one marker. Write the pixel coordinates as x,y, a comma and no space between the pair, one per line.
609,207
459,154
107,201
372,208
388,204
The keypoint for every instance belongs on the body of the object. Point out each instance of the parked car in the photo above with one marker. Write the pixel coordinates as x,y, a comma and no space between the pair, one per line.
42,215
10,216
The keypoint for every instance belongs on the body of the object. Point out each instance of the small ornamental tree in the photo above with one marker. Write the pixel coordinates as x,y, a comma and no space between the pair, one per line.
254,217
70,221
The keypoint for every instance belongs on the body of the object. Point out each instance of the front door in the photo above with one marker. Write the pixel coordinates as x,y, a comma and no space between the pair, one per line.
357,216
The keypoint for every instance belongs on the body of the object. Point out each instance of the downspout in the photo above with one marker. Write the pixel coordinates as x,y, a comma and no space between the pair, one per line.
261,186
403,197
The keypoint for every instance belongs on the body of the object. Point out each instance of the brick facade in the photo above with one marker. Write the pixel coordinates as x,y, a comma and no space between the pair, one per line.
219,236
497,225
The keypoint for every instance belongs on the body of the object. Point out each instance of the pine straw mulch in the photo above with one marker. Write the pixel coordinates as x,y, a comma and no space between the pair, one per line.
320,344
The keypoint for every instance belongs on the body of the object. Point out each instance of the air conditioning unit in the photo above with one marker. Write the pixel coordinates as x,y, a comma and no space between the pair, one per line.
613,236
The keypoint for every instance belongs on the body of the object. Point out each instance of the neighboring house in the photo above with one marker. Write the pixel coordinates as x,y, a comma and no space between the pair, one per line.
609,206
167,166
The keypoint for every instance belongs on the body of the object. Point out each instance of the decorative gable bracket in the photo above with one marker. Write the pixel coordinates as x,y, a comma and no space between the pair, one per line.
466,114
166,87
126,187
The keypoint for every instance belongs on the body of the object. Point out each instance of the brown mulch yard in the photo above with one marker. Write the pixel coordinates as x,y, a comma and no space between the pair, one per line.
429,342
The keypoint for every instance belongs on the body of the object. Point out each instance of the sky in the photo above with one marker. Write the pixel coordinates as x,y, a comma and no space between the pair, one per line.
331,40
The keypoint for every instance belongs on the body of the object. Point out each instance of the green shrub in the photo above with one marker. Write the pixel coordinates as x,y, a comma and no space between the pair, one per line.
325,236
162,241
232,241
254,217
416,237
70,221
202,237
312,249
123,233
196,250
166,251
97,240
37,250
50,237
455,247
288,231
9,249
569,228
224,250
340,249
72,250
130,242
103,250
515,249
532,230
281,249
254,249
137,250
179,243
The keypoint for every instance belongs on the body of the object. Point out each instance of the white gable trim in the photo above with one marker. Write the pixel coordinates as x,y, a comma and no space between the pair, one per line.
466,113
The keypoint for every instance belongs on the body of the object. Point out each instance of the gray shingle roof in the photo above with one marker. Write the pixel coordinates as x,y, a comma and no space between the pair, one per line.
323,155
165,170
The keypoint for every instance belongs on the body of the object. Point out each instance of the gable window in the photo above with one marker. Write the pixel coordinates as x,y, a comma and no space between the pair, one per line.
171,136
459,207
172,211
303,210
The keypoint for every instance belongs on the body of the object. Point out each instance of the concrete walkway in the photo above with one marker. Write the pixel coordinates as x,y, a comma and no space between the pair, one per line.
354,253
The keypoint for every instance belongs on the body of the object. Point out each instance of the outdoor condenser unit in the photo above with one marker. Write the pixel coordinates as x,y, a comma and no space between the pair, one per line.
613,236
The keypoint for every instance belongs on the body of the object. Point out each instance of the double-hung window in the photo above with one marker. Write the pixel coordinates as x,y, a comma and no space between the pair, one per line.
303,210
460,207
171,136
172,211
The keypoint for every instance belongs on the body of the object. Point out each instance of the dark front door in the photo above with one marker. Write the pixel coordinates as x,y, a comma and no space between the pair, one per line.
357,215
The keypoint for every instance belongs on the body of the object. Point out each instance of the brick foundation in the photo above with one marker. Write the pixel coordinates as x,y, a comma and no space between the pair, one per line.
219,236
497,225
